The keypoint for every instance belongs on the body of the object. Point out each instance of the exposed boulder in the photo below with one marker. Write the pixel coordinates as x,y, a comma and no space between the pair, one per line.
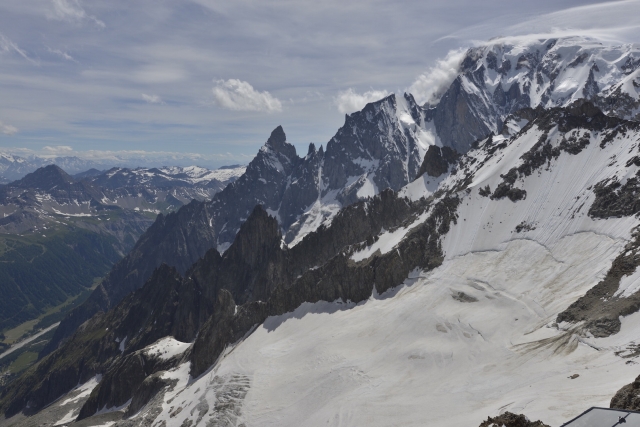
628,397
509,419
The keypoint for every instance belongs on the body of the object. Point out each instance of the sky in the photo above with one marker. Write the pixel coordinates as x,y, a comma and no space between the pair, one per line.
208,80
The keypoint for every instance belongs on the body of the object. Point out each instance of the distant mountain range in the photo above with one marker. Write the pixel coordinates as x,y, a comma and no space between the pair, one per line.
14,167
60,232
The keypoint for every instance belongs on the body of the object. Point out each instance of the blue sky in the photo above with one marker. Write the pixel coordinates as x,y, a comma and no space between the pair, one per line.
209,79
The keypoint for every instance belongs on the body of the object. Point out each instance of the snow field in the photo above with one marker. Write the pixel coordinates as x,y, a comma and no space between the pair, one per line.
166,348
558,197
419,356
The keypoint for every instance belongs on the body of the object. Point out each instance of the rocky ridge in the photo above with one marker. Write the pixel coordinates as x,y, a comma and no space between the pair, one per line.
378,148
251,270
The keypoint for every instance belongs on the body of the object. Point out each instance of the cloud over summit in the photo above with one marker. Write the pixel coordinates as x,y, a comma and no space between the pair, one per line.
349,101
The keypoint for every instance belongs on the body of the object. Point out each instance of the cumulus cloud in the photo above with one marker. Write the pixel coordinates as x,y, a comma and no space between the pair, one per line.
239,95
8,129
152,99
72,11
432,84
349,100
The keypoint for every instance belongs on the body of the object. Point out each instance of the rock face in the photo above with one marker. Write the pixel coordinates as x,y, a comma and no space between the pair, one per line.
179,238
509,419
437,161
628,397
378,148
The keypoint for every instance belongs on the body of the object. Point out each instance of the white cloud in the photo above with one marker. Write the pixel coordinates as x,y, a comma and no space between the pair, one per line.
130,158
431,85
6,46
238,95
58,150
8,129
61,54
349,101
152,99
71,11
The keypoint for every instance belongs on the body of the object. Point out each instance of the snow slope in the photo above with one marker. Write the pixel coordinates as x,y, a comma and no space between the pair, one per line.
418,356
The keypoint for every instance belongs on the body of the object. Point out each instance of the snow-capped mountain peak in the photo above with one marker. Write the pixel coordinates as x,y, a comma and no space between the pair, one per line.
506,75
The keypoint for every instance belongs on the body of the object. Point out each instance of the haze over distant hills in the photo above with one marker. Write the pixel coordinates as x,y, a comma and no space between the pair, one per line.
14,167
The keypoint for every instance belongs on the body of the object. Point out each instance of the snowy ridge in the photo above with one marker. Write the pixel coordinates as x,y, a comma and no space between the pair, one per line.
191,174
509,74
495,81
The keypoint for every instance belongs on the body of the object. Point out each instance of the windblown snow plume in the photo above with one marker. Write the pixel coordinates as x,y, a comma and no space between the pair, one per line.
349,100
431,85
234,94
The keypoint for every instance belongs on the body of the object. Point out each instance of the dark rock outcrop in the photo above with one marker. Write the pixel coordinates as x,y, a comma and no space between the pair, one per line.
509,419
614,199
437,161
146,391
599,307
628,397
339,278
460,119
